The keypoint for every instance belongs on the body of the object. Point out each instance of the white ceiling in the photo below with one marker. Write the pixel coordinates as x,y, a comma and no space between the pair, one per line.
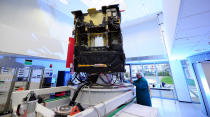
193,28
132,9
45,20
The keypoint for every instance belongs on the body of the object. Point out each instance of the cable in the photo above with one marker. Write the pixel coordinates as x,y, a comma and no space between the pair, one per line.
77,92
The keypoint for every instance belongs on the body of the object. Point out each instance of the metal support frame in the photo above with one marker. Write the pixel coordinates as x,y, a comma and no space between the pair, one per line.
130,71
42,79
8,102
29,79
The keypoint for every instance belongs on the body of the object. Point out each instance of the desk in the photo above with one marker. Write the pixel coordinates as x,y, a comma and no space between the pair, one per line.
165,89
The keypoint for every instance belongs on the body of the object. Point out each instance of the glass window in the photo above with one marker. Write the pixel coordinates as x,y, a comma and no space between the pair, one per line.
150,73
159,79
165,81
135,69
127,72
190,81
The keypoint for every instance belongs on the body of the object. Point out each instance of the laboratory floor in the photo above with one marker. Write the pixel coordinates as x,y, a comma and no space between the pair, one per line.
168,108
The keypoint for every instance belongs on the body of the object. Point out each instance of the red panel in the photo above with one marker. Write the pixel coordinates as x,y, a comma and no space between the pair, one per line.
70,54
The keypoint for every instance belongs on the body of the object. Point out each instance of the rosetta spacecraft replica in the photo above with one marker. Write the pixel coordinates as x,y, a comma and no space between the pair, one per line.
98,41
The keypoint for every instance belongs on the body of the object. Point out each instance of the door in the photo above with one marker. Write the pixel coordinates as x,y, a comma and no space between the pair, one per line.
202,74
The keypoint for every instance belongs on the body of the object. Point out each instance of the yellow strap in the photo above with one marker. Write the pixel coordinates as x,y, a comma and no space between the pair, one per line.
95,65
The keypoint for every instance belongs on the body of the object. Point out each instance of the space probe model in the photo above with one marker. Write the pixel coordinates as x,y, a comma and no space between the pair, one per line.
98,41
97,49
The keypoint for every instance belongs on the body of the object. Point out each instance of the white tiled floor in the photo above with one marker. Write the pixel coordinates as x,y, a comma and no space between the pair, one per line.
168,108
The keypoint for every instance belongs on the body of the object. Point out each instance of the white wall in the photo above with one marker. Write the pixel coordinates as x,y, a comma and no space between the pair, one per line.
31,27
143,39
